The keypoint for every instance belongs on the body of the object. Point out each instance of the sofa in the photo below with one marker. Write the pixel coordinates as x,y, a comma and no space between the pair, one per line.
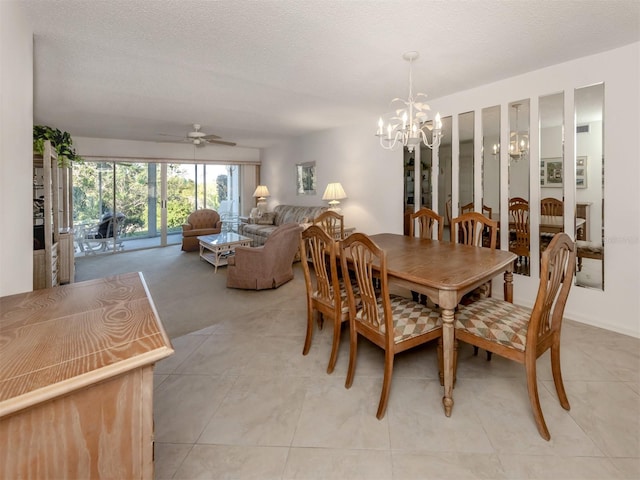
268,266
201,222
259,229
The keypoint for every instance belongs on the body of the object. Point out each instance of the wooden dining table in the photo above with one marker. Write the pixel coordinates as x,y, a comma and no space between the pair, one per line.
444,272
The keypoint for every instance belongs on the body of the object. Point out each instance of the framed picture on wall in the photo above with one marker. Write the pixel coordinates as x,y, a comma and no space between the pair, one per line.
306,178
581,172
551,172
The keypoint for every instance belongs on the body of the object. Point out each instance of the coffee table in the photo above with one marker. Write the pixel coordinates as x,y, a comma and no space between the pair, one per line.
215,249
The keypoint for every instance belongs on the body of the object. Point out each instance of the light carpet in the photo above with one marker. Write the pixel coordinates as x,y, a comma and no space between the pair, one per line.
187,292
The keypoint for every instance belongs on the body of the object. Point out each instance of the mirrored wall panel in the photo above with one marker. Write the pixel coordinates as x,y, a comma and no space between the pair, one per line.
551,111
444,176
491,162
409,187
519,239
426,162
465,159
589,194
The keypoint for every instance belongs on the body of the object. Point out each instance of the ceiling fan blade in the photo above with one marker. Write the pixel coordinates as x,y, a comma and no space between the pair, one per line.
222,142
211,137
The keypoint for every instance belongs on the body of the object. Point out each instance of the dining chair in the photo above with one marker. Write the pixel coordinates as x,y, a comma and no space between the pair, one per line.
427,221
516,200
332,223
391,322
471,229
326,295
551,212
519,227
552,207
467,208
523,335
487,211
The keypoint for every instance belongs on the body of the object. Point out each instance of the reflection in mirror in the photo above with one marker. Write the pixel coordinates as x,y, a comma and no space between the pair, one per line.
444,176
589,105
551,111
519,169
426,162
491,162
465,158
409,187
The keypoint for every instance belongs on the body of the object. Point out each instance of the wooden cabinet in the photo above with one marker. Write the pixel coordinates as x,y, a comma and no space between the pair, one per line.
76,384
53,255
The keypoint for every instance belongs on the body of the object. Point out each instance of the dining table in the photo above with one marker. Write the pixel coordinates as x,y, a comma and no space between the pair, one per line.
444,272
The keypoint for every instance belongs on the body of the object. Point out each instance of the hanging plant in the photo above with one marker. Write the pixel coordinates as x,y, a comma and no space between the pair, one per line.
60,141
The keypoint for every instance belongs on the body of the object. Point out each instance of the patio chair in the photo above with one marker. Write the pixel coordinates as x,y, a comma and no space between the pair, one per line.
103,236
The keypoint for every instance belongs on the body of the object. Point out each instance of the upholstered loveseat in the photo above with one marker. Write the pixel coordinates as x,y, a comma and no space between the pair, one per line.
259,229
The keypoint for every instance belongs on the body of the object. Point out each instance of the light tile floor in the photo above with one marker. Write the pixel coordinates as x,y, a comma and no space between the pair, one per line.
238,400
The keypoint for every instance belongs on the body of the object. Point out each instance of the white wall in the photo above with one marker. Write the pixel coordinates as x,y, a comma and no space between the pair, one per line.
372,177
16,157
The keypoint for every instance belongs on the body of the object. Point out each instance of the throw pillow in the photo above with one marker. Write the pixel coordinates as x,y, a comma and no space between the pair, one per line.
266,218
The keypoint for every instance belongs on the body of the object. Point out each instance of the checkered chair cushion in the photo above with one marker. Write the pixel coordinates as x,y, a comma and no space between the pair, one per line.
496,320
410,319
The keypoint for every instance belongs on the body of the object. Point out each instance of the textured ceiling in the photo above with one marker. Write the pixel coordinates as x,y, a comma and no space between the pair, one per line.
256,72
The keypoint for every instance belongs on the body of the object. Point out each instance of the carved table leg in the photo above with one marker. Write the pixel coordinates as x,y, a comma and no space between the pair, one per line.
508,286
448,339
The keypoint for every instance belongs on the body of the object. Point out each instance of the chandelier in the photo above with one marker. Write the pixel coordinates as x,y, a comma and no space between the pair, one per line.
518,141
406,124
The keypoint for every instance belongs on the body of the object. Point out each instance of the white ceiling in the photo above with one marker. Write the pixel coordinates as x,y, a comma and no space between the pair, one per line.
257,72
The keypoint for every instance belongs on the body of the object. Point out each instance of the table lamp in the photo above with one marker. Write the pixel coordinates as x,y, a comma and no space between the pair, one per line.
262,192
334,193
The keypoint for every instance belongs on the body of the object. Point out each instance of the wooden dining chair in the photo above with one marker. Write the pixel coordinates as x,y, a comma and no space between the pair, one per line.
467,208
427,221
516,200
332,223
477,230
326,295
552,207
522,335
391,322
519,226
473,228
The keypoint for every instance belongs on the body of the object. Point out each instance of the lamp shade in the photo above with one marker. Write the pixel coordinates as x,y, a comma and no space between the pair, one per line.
334,191
261,191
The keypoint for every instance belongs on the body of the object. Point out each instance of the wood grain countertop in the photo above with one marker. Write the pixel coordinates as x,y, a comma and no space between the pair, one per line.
57,340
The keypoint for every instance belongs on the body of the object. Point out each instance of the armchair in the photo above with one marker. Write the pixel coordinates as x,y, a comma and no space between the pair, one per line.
268,266
201,222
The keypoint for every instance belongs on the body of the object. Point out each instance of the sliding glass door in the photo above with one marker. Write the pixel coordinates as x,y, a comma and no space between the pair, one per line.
145,204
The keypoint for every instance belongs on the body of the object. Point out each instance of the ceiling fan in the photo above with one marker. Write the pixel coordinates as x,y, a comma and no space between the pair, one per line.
199,138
